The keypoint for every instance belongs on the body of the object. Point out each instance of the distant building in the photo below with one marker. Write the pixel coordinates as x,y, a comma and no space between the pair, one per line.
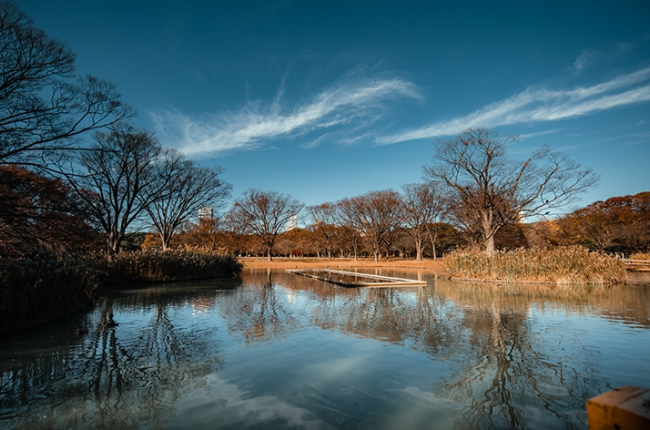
293,223
205,212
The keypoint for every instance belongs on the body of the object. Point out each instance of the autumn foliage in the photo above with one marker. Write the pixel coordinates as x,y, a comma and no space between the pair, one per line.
618,224
38,212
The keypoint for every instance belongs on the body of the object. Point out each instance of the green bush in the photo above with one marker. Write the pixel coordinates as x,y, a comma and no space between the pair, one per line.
562,265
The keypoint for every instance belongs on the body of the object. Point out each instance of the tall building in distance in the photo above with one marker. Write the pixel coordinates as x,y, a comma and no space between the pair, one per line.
292,223
205,213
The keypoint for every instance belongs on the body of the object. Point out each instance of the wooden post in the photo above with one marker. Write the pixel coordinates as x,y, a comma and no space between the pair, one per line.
622,409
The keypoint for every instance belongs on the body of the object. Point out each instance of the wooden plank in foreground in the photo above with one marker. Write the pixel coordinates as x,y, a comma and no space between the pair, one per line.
374,281
623,408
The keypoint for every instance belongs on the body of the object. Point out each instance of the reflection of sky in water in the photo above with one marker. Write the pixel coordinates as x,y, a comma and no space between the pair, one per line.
283,351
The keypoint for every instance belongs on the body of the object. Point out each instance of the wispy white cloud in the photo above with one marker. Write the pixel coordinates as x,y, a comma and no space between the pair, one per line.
589,58
256,124
541,133
540,105
585,59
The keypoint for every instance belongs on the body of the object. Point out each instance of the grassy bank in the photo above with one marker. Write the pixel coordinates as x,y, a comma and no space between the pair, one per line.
159,266
560,266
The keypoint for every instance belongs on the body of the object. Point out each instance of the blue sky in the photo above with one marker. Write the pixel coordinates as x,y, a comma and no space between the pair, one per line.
326,100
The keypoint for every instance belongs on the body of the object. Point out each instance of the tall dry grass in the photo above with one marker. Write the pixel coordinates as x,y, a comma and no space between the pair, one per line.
157,266
42,287
561,266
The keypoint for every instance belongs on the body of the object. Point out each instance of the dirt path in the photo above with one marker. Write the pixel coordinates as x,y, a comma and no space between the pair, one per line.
320,263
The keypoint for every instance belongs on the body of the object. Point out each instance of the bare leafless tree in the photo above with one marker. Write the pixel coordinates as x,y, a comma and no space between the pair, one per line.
376,216
186,187
495,190
423,206
325,228
43,105
121,178
265,214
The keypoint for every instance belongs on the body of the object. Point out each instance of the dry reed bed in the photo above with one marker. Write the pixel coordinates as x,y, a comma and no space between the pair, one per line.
158,266
43,287
560,266
47,286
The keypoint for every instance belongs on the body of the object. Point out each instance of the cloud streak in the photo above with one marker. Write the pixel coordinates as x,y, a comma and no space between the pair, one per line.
255,124
540,105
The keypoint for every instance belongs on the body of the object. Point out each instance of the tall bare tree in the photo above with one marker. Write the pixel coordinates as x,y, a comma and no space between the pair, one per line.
325,228
265,214
423,206
43,106
121,179
377,216
186,187
494,190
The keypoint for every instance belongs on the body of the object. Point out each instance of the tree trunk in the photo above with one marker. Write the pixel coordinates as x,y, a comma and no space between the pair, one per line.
165,242
113,243
418,250
433,245
432,239
489,246
489,231
268,252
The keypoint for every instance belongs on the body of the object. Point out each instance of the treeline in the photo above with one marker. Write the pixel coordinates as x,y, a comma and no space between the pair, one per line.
417,223
380,223
616,225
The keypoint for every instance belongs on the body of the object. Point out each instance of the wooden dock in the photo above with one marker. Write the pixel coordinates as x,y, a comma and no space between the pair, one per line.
355,279
636,265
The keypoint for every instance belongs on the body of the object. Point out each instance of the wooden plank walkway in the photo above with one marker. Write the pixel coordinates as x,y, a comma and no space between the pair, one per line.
355,279
636,264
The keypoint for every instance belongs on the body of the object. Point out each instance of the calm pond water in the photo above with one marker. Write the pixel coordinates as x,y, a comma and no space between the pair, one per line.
276,350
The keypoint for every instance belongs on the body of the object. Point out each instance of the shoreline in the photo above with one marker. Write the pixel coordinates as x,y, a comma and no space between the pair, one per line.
324,263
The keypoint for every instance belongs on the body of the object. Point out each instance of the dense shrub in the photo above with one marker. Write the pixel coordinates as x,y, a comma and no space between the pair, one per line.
158,266
562,265
42,287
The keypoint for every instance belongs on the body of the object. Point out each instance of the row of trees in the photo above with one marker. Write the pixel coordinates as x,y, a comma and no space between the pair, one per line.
620,224
377,223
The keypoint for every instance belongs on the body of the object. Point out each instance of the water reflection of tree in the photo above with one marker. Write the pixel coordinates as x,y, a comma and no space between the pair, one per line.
117,377
262,311
257,311
511,377
389,315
